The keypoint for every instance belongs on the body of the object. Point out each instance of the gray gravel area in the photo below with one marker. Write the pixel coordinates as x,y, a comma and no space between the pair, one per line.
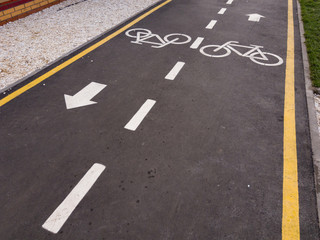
31,43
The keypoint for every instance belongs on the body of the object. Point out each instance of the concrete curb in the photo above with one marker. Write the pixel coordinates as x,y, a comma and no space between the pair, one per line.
10,86
313,125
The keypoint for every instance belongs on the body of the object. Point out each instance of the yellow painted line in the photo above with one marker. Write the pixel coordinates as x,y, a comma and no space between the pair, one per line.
290,204
76,57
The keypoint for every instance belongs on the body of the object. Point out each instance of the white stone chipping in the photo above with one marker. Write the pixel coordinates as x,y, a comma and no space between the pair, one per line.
317,103
30,43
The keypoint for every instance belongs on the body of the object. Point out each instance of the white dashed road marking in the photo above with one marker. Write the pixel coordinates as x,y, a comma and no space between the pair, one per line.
211,24
140,115
229,1
64,210
222,10
196,43
174,71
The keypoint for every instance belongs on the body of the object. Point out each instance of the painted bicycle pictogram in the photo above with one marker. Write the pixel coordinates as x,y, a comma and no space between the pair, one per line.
143,35
254,53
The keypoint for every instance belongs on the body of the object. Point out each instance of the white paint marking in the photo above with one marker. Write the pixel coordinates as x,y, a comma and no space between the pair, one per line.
222,10
64,210
140,115
196,43
211,24
83,97
174,71
229,1
254,17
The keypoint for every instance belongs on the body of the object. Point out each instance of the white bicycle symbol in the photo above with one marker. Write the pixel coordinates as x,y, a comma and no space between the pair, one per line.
146,36
254,53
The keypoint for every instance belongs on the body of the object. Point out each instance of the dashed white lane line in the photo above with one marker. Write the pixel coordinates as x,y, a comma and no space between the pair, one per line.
211,24
64,210
140,115
174,71
229,1
222,11
196,43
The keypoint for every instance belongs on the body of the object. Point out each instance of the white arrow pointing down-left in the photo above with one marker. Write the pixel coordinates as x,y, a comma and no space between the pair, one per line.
84,96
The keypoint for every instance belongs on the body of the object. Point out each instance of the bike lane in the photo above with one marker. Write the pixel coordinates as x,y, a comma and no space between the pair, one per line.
205,163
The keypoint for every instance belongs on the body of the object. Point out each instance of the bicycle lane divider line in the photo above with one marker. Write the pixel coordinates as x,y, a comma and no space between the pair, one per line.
57,219
222,11
196,43
290,201
211,24
77,57
174,71
135,121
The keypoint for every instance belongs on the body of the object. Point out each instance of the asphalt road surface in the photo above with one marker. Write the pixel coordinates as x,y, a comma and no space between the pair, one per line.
173,128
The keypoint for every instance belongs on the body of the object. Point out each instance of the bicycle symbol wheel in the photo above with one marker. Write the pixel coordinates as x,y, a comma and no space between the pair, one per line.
214,51
138,32
177,38
269,60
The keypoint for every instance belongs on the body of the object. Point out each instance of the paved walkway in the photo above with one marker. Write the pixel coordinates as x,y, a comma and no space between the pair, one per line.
172,126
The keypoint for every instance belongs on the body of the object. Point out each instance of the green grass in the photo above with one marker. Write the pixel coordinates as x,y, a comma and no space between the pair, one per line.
310,10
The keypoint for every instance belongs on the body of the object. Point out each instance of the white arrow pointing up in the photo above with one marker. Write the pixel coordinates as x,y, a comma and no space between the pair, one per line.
84,96
254,17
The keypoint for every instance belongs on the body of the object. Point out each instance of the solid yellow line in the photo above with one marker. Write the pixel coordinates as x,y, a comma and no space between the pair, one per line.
290,204
76,57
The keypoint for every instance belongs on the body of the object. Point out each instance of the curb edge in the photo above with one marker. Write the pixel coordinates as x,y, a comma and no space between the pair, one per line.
313,125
